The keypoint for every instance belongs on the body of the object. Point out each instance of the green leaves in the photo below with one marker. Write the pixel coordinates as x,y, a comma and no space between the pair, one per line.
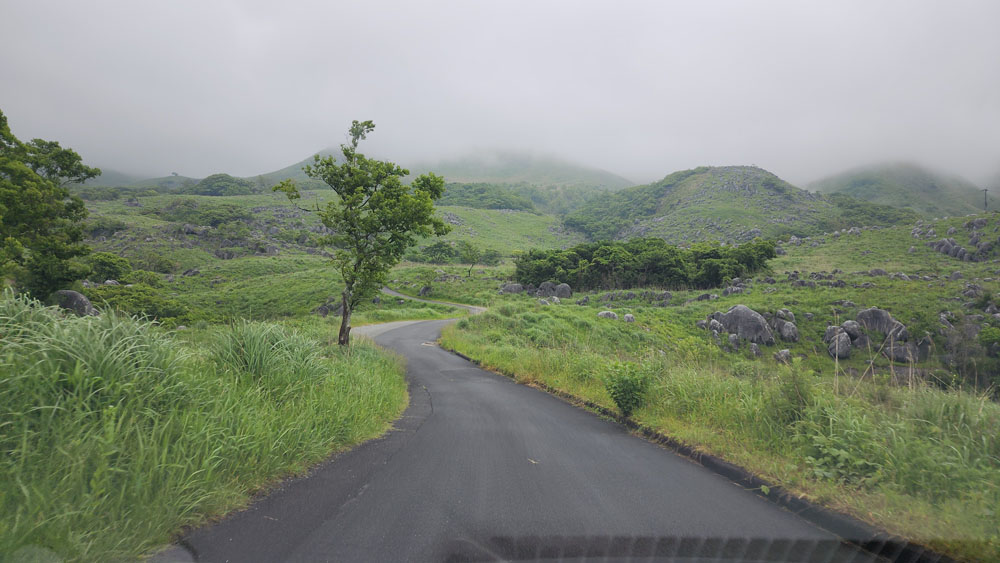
39,219
375,219
627,386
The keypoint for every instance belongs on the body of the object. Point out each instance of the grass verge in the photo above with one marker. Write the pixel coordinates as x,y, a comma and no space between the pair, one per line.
919,462
116,434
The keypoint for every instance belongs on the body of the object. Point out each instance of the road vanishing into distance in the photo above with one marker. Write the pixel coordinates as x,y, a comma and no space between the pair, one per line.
480,468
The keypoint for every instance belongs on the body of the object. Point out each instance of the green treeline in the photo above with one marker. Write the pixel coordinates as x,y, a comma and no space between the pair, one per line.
485,196
643,262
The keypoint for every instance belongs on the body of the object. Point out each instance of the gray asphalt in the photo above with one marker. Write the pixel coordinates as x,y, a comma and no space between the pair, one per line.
481,469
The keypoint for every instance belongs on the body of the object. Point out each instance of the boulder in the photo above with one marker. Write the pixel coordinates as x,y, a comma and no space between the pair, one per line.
734,342
554,300
874,318
715,325
424,291
629,318
901,352
563,291
783,356
924,348
608,315
75,302
852,328
746,323
511,288
377,300
788,332
755,350
543,302
786,315
840,346
584,300
546,289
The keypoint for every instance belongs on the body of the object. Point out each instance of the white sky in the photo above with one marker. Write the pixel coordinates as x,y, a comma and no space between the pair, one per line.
802,88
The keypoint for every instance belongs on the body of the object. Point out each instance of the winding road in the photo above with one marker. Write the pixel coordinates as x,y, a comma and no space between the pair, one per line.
480,468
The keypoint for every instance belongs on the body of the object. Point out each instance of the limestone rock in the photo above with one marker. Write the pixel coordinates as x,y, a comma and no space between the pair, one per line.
75,302
563,291
746,323
840,346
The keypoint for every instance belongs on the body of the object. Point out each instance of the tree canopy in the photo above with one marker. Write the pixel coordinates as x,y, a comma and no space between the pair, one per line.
40,221
374,219
643,262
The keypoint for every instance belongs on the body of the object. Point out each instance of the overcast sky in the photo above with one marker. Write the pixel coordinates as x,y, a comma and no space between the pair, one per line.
801,88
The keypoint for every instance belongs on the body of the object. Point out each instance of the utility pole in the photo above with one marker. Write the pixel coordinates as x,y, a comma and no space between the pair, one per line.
984,199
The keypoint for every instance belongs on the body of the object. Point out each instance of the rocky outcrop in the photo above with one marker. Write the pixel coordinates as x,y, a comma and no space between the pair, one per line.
839,346
745,323
511,288
546,289
75,302
424,291
629,318
608,315
564,291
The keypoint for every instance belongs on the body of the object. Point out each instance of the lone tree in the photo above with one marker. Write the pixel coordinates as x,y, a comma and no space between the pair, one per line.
40,222
374,220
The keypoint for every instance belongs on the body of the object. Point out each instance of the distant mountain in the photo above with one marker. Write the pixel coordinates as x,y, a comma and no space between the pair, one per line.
909,186
501,168
728,204
113,178
514,168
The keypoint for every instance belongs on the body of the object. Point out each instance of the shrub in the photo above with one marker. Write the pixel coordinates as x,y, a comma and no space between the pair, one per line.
627,387
108,266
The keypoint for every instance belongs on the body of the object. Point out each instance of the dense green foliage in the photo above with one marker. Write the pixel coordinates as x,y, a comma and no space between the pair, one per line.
484,196
222,185
647,262
854,212
116,434
108,266
195,212
40,221
374,219
627,386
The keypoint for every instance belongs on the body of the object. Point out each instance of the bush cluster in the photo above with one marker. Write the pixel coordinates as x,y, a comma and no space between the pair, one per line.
643,262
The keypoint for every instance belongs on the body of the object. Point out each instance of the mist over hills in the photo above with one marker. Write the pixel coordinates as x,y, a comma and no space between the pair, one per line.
500,167
907,185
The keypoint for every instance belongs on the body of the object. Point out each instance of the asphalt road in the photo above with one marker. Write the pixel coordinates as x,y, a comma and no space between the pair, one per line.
480,468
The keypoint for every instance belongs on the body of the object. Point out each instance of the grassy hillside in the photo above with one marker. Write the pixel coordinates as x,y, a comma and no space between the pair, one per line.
728,204
910,446
909,186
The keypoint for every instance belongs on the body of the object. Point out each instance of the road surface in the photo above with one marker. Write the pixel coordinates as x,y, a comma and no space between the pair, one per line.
480,468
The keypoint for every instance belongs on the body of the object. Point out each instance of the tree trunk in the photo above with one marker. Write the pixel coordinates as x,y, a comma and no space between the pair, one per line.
345,320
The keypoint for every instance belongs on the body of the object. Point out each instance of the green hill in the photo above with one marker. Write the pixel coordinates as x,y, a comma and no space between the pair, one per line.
513,168
729,204
904,185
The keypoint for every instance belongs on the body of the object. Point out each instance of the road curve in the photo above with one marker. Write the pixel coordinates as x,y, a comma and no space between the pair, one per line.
480,468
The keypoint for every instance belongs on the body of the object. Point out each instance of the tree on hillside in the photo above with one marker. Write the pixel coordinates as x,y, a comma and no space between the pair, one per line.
469,254
40,222
375,218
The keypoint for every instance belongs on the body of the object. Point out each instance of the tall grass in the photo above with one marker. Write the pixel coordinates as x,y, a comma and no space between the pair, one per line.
919,461
115,434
